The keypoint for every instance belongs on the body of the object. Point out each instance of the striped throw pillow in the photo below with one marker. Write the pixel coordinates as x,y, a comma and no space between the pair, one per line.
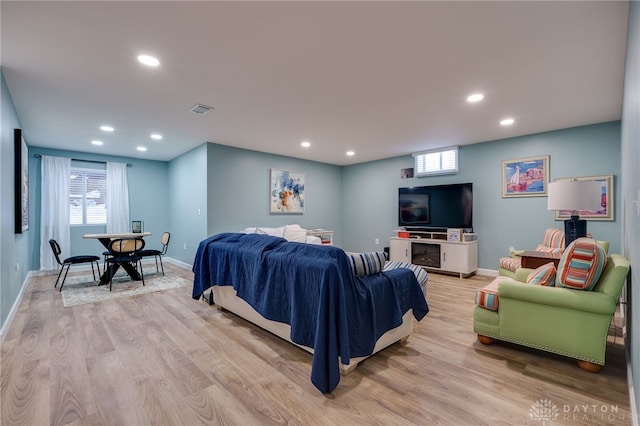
543,275
418,271
487,296
510,263
581,265
553,238
366,263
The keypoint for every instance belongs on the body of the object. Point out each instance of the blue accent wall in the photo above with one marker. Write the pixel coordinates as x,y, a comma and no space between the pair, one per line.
14,248
238,192
188,203
631,189
370,190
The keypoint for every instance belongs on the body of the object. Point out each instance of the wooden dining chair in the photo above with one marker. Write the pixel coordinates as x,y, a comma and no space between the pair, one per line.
164,239
126,250
73,260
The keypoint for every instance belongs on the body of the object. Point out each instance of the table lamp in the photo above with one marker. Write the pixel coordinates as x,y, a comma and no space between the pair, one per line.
574,195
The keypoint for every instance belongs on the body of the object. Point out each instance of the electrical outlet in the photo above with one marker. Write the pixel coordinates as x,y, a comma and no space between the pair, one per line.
198,212
377,241
17,267
185,246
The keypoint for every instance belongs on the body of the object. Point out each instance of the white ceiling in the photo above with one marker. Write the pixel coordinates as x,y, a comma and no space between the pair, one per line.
381,78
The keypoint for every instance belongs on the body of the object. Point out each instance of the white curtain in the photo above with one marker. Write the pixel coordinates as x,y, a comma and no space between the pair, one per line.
54,216
117,198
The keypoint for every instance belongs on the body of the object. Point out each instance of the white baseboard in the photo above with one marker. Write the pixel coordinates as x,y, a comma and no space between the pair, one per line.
487,272
14,308
179,263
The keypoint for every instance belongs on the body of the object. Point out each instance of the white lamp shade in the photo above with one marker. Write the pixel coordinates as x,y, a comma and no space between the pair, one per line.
575,195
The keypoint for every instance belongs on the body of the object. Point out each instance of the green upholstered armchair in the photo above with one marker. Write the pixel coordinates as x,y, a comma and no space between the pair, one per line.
569,322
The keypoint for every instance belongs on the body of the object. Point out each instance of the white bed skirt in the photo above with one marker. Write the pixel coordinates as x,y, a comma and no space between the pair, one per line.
225,297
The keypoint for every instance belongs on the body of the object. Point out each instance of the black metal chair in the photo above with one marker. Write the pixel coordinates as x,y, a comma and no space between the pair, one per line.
73,260
164,239
126,250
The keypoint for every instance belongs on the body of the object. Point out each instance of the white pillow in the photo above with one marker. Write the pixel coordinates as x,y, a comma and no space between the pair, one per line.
295,233
273,232
312,239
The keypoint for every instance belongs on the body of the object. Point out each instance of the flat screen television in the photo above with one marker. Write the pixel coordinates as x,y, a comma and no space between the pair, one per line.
436,207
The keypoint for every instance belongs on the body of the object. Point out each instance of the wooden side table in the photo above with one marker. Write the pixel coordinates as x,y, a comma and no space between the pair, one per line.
533,259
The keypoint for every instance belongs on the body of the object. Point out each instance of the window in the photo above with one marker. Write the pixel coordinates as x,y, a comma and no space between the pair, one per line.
87,197
436,162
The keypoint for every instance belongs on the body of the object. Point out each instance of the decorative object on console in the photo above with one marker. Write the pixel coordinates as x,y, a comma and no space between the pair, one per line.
574,195
525,177
605,212
454,234
286,192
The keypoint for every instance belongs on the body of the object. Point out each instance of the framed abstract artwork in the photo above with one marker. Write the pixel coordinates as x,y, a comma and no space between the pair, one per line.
21,182
525,177
606,200
286,192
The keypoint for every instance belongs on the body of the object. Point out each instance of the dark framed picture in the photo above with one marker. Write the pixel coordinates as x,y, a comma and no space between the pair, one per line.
21,182
137,226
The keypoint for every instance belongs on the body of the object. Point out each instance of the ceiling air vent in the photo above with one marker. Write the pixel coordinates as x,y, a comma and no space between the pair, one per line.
200,109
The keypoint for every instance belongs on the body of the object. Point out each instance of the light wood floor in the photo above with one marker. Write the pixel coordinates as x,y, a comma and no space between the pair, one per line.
166,359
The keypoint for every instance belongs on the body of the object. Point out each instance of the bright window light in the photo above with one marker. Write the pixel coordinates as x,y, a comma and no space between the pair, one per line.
436,162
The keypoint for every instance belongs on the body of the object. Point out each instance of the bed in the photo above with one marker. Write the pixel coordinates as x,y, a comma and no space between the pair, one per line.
309,295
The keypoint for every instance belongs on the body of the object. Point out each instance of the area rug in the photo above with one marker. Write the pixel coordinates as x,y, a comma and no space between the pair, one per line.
82,289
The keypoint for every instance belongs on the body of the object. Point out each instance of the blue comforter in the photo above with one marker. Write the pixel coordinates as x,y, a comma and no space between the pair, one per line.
311,288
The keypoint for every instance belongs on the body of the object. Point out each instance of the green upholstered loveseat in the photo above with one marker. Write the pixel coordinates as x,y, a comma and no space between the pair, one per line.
569,322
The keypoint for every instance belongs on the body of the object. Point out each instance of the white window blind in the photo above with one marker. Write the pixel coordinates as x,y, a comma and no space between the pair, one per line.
436,162
87,197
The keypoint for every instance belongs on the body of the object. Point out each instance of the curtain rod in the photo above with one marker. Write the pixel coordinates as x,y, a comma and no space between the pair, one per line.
86,161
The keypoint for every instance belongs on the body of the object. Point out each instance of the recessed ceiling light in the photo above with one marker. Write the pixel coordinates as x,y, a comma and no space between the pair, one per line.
351,153
148,60
96,142
156,136
305,144
476,97
141,148
507,122
107,128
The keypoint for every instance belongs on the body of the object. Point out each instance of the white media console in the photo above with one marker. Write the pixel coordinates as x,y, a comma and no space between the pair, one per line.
433,251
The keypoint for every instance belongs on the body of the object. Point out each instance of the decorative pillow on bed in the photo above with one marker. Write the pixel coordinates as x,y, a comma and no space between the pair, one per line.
366,263
272,232
543,275
295,233
418,271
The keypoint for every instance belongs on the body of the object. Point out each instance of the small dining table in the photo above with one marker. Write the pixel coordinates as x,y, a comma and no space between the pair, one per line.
105,240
